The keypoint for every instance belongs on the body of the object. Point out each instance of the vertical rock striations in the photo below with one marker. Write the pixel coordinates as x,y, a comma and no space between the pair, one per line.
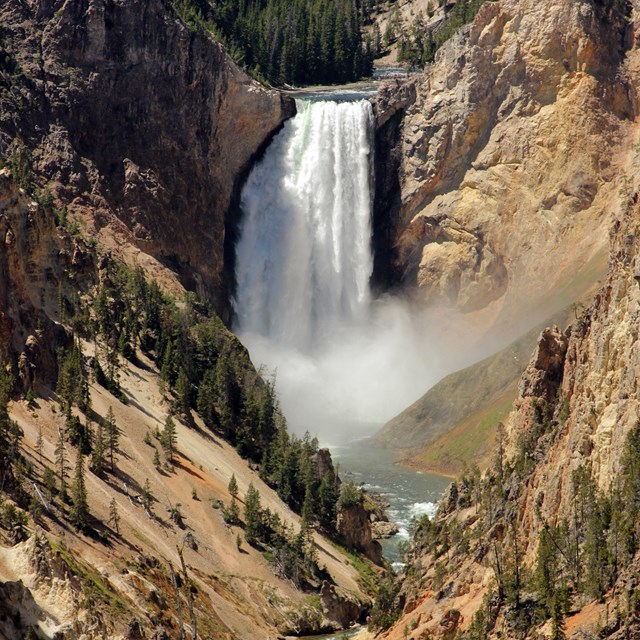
141,125
499,176
37,266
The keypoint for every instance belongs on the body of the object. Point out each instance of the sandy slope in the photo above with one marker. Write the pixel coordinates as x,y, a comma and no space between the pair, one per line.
243,590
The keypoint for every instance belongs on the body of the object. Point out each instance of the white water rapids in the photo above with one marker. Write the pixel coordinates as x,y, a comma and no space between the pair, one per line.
303,265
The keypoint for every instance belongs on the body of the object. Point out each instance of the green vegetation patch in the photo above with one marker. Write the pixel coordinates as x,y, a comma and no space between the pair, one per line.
470,442
288,42
369,580
94,586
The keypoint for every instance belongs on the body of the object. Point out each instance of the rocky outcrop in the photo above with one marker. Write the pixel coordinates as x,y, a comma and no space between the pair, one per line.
39,264
340,606
597,382
499,162
142,126
354,528
543,375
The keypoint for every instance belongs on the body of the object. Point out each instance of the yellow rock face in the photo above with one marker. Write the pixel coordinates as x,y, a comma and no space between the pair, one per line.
509,147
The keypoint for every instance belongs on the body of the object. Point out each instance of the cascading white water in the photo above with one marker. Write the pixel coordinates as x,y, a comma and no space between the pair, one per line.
304,257
303,263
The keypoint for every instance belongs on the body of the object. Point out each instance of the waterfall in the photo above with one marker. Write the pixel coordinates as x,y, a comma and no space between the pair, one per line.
304,256
344,362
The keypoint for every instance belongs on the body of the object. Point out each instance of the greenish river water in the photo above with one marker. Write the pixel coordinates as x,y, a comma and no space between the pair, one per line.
341,635
410,493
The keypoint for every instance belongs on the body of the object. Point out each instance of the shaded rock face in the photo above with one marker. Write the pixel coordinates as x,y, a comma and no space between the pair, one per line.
497,176
15,598
340,606
354,527
543,376
141,125
38,266
324,464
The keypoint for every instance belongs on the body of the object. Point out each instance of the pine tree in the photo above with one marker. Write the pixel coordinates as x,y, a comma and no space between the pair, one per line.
147,497
327,497
308,510
252,514
630,475
72,387
40,444
49,482
61,465
167,370
546,571
80,507
287,476
30,397
98,457
156,459
233,486
114,516
112,370
183,393
231,514
168,438
113,437
31,634
267,415
557,619
225,395
205,401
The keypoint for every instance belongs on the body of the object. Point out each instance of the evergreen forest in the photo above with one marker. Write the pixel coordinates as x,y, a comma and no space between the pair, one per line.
283,42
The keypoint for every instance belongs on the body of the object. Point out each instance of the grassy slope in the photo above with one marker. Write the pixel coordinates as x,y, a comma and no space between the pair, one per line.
458,396
454,423
470,442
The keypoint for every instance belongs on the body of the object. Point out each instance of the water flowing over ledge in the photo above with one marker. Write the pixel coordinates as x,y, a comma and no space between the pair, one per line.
304,255
345,362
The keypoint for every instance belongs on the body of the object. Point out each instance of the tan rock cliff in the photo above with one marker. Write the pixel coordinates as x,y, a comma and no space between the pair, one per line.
497,176
37,264
578,398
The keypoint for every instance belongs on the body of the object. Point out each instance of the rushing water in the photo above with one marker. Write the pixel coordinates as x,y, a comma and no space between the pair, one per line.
410,494
304,257
303,305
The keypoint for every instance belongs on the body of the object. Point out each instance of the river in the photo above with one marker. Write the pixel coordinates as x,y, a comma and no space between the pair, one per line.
410,493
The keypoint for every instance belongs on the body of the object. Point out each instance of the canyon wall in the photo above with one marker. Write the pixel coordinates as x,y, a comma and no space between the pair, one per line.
496,167
578,400
473,571
141,126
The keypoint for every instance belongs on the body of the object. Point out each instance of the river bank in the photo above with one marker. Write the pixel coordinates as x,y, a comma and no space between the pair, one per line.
409,493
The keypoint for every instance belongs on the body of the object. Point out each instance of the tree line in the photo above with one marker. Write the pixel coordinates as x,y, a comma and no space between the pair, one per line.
289,42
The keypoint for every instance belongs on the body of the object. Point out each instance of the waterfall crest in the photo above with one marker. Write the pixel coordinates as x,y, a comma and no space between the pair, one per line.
304,253
345,363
